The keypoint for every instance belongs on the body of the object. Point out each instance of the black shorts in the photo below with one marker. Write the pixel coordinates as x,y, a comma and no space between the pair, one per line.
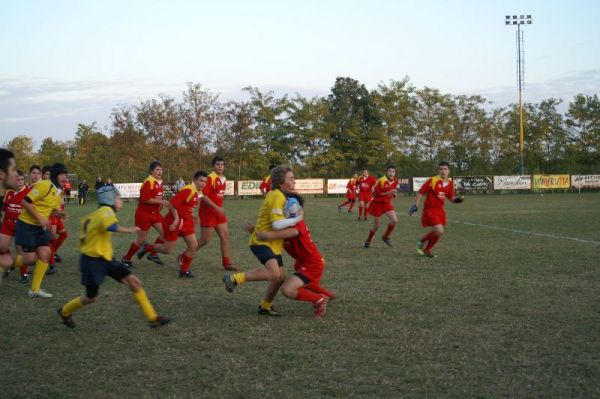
93,270
30,236
264,254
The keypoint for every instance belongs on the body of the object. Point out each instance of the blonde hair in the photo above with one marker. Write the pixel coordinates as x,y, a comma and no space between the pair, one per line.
278,175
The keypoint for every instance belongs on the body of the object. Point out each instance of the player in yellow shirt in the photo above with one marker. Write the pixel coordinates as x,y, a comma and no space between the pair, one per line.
270,217
97,259
32,232
8,176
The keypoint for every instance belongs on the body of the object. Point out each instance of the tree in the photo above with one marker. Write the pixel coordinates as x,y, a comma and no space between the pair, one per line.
22,147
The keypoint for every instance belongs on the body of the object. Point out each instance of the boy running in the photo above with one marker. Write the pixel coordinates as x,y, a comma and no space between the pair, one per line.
350,194
365,187
385,189
8,176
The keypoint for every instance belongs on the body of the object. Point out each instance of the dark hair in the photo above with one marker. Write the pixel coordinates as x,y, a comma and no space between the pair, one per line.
34,167
390,167
46,168
154,165
216,159
20,173
200,174
57,169
443,163
5,157
278,175
271,167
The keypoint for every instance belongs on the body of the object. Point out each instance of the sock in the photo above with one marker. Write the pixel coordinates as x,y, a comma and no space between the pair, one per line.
432,241
20,265
239,278
145,305
186,263
157,241
343,204
351,206
265,305
72,306
226,261
371,234
60,240
51,262
307,295
38,275
133,248
389,230
316,287
426,237
149,248
360,211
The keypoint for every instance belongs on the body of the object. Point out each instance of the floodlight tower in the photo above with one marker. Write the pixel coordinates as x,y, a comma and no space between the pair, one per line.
519,20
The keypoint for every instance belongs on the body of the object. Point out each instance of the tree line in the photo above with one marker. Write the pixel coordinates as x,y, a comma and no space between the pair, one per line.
329,136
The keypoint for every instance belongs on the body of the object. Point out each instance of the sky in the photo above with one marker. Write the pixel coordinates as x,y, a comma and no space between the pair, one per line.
69,62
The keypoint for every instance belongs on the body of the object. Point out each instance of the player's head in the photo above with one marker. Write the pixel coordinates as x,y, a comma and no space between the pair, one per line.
58,174
200,179
19,181
282,178
109,181
355,176
390,171
35,174
46,172
8,168
444,169
109,196
155,169
365,172
218,164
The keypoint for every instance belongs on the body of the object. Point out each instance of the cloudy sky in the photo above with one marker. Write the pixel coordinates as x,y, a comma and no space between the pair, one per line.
65,62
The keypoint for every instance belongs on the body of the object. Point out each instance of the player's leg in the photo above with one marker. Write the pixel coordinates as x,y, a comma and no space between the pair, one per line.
373,230
134,283
361,209
266,304
59,241
352,202
205,235
223,233
66,311
160,239
53,238
433,237
41,266
6,260
185,258
393,217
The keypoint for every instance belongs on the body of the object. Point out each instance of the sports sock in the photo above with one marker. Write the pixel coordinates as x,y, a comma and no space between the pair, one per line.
38,275
371,234
343,204
133,248
226,260
239,278
351,206
72,306
60,240
427,237
20,265
432,241
307,295
316,287
149,248
186,263
157,241
389,230
52,243
265,305
145,305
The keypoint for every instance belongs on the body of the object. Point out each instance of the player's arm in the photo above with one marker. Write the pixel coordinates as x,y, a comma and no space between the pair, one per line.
214,206
146,196
285,223
278,234
27,204
457,199
117,228
422,191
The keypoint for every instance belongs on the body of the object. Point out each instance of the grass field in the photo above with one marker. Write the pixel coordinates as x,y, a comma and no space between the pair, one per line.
501,312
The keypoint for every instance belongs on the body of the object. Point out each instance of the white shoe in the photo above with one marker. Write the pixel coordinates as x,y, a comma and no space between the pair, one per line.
40,294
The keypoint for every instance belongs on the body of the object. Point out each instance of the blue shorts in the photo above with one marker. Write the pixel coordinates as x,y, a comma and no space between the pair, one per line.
264,254
30,236
94,270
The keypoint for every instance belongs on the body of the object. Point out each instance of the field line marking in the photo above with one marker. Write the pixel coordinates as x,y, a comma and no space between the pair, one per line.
532,233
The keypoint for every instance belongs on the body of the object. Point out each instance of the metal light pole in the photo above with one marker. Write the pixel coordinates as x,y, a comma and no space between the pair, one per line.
519,20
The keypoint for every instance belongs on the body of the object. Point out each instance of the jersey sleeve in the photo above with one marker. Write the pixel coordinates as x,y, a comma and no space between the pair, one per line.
208,188
277,205
425,188
180,197
108,218
451,193
39,190
378,187
146,191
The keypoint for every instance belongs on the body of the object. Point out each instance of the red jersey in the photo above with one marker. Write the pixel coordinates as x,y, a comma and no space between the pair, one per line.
351,186
437,190
265,185
12,203
383,186
151,188
302,248
215,190
365,184
184,201
67,186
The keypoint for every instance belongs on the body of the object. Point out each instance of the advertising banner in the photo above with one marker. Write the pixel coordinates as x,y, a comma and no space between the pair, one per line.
585,181
404,184
229,187
550,181
310,186
249,187
337,186
512,182
473,183
417,182
129,190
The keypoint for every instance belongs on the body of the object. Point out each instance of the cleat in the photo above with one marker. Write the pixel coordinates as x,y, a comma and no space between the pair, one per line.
187,274
155,259
268,312
420,248
66,320
57,258
229,282
51,270
429,254
24,279
365,219
126,263
231,268
321,306
40,294
339,208
387,241
141,252
160,321
367,245
359,219
349,211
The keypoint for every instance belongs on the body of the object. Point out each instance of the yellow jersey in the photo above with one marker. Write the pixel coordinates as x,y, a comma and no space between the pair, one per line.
45,197
271,211
94,238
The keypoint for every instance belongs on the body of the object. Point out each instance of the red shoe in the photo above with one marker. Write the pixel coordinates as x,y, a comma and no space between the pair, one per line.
321,306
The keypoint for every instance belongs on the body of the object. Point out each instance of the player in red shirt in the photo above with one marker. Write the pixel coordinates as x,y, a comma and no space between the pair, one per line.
67,187
147,213
385,190
212,214
365,187
181,222
350,194
265,185
436,190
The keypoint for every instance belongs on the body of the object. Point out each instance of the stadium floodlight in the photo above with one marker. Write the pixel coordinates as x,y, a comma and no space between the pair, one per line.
519,20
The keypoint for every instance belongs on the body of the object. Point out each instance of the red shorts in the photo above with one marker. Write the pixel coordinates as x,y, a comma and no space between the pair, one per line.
186,227
144,220
379,208
58,222
312,270
210,218
8,227
350,196
433,216
364,196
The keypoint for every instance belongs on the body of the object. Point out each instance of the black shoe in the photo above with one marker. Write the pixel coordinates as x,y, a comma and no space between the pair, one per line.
126,263
429,254
160,321
359,219
339,208
52,270
67,320
367,244
155,259
387,241
141,252
187,274
268,312
24,279
57,258
229,282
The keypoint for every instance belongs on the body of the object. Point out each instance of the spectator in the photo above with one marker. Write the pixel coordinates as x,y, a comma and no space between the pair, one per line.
99,183
179,184
82,190
109,182
67,187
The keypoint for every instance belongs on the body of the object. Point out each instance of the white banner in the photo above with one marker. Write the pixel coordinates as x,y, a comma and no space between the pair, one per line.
229,187
129,190
585,181
337,186
249,187
512,182
310,186
418,182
